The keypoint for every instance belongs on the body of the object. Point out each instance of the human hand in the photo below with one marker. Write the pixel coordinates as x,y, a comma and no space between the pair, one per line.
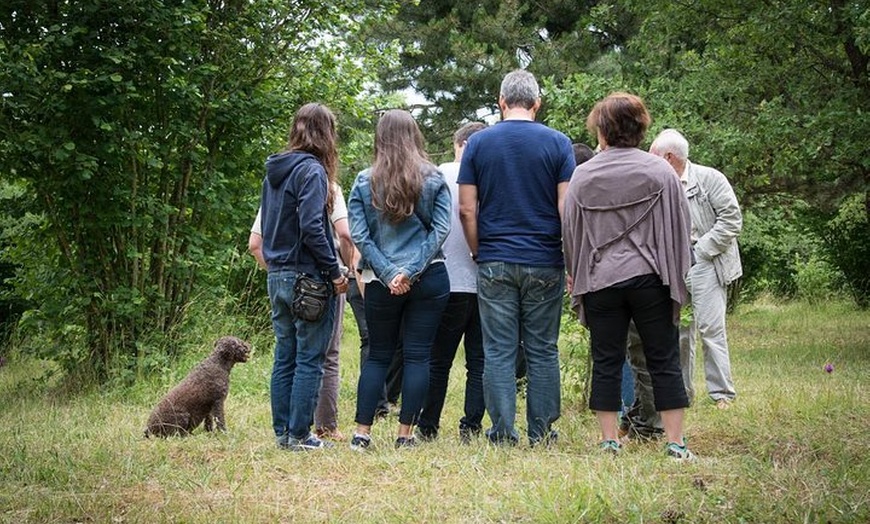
400,284
340,284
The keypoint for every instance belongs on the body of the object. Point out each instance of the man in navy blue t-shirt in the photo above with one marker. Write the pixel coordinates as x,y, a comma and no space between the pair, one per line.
512,181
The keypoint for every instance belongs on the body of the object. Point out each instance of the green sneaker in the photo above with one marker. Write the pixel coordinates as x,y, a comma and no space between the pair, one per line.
610,447
679,452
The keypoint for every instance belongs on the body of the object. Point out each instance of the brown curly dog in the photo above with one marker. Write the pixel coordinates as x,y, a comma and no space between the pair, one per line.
200,396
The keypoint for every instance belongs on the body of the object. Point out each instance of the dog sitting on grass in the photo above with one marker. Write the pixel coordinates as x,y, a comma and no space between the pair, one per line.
199,398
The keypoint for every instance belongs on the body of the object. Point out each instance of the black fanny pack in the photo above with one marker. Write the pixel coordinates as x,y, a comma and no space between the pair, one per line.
310,298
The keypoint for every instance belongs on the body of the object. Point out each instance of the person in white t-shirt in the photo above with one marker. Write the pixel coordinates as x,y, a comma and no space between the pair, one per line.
460,320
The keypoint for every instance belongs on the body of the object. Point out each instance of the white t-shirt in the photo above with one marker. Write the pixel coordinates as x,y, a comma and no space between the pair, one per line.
460,267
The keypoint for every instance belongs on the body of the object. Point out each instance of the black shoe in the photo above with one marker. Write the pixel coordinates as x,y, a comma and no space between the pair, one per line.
549,441
426,433
501,440
468,433
406,442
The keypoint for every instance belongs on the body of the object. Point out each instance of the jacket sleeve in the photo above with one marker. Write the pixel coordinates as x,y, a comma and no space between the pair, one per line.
571,227
312,226
729,220
442,207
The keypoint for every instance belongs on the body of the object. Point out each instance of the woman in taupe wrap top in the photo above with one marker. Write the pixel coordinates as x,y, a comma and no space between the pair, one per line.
625,232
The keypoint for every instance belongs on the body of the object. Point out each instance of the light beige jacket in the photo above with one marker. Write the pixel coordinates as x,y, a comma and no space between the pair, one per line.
717,220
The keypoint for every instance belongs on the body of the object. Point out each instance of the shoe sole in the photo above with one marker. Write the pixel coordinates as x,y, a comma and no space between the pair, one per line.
302,447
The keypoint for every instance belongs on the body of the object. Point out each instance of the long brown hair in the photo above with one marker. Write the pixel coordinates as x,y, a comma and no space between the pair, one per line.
313,131
400,164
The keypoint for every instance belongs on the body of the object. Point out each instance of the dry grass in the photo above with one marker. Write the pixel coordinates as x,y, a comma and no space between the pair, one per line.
792,449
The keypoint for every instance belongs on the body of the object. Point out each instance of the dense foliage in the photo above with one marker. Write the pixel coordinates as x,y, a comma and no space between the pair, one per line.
455,53
775,94
139,128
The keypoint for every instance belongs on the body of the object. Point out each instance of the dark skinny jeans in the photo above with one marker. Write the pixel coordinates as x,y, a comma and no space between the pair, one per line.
412,318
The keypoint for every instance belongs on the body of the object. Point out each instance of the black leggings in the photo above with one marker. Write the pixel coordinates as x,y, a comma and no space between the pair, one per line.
608,313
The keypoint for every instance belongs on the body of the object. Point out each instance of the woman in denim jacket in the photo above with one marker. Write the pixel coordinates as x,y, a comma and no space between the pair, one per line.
399,214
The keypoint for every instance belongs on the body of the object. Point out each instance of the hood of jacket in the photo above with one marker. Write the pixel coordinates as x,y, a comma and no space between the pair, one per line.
280,165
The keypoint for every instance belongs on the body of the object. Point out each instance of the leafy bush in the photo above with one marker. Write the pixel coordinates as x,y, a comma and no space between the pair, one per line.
15,220
847,243
775,234
815,279
576,365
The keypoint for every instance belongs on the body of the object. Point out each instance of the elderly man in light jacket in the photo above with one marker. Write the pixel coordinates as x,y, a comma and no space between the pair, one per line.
716,223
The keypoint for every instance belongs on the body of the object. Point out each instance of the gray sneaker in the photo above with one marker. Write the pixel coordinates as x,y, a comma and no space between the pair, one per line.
610,447
360,442
679,452
309,443
406,442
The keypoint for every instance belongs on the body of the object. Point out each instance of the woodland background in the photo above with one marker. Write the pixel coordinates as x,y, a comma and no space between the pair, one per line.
133,135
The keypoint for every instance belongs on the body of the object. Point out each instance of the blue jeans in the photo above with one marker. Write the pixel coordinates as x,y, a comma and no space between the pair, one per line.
459,323
300,348
326,411
413,318
358,307
518,299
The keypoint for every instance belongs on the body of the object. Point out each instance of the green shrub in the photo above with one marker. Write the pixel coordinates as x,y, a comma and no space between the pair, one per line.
775,234
847,243
815,279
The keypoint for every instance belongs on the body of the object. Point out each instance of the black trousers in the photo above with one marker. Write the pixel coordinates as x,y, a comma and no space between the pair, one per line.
460,322
608,312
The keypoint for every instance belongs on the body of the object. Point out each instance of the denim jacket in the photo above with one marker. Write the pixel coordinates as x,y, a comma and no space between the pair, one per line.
405,247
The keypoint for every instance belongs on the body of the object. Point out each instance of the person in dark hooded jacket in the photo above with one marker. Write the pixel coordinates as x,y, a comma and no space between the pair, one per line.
295,202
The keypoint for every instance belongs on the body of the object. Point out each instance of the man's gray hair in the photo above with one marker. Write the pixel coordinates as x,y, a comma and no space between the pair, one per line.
519,88
671,141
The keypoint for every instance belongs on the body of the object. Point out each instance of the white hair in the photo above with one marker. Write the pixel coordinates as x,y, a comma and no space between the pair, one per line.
671,141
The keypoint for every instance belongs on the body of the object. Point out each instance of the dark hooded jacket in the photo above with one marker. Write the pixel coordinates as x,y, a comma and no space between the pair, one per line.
295,221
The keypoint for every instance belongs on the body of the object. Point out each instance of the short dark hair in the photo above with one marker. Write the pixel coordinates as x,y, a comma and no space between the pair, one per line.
621,118
462,134
582,152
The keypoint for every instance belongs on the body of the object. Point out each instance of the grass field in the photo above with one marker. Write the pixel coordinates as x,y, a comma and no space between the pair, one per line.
793,448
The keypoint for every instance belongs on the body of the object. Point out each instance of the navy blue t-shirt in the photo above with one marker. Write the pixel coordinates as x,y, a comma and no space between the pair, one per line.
517,166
